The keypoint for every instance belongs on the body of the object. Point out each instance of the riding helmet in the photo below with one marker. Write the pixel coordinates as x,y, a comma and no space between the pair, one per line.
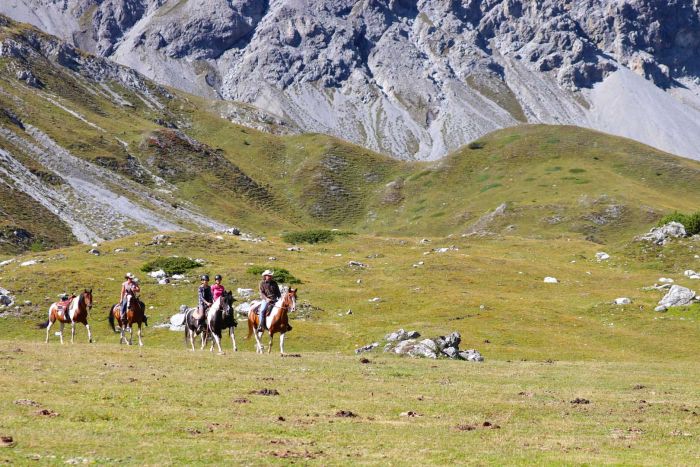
217,277
205,277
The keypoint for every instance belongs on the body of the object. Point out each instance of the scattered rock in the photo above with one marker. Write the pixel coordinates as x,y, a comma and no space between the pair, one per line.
660,308
178,277
164,281
233,231
375,300
94,251
27,303
662,235
345,413
445,249
424,241
690,274
451,341
551,280
199,261
622,301
666,280
580,400
6,262
602,256
471,355
119,250
367,348
365,361
160,238
451,352
272,258
31,262
244,293
294,248
159,274
6,298
401,335
266,392
349,312
357,264
677,296
410,414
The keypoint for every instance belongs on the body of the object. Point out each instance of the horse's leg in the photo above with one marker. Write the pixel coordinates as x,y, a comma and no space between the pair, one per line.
131,333
140,341
269,347
62,325
122,337
191,334
72,331
48,328
87,326
258,344
233,338
217,339
282,344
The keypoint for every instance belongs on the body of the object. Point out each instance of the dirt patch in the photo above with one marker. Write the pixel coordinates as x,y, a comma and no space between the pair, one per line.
266,392
291,355
465,427
629,433
241,400
526,394
639,386
287,454
580,400
7,442
345,413
484,426
193,431
410,414
281,419
365,360
47,413
27,402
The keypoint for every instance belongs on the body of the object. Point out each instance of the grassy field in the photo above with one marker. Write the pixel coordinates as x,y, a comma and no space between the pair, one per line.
548,344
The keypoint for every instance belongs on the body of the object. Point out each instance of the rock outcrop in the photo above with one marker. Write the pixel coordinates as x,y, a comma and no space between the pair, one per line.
412,78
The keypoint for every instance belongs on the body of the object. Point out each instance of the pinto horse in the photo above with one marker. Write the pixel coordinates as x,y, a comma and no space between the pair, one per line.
276,322
194,326
135,314
76,309
219,317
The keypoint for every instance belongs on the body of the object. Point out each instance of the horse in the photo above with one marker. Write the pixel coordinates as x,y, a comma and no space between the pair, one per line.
219,317
276,320
135,314
77,309
194,326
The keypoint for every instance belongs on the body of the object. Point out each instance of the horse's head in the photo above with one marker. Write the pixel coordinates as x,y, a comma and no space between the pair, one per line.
292,296
227,302
87,296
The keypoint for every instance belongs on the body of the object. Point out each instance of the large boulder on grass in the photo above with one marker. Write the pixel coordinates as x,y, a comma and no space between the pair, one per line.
677,296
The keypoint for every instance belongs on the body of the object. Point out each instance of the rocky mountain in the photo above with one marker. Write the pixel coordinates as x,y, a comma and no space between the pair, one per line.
412,78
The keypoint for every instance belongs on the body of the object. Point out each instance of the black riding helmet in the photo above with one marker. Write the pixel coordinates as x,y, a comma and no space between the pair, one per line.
205,277
217,277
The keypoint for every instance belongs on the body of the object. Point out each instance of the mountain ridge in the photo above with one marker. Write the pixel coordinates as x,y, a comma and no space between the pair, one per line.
414,79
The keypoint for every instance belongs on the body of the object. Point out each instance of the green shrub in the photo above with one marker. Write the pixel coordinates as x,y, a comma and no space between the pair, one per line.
312,236
691,222
281,275
172,265
476,145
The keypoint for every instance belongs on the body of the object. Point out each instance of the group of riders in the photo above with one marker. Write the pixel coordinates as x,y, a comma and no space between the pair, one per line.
208,294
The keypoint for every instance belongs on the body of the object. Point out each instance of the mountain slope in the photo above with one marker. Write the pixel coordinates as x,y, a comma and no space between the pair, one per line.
103,153
414,79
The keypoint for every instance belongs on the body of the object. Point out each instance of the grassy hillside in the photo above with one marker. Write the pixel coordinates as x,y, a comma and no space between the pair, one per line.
555,181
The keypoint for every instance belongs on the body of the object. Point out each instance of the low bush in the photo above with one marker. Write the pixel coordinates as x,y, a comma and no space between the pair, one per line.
312,236
172,265
691,222
476,145
281,275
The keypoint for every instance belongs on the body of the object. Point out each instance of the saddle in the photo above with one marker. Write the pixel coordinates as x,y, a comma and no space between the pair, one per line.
64,305
198,313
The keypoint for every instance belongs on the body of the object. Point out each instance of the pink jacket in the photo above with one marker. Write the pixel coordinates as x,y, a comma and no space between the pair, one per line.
217,290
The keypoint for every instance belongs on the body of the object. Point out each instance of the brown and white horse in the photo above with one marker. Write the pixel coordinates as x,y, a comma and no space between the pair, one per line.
135,314
77,310
276,322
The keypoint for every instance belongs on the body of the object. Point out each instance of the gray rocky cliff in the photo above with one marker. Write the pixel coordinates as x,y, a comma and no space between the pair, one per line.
412,78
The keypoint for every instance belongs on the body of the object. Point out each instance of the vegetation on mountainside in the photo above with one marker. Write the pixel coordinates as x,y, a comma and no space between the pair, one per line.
691,222
171,265
312,236
280,275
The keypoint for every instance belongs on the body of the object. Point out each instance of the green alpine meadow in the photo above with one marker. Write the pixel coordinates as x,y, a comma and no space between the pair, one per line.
531,298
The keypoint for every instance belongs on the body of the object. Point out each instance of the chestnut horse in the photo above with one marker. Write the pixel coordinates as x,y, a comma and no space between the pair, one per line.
276,321
77,310
135,314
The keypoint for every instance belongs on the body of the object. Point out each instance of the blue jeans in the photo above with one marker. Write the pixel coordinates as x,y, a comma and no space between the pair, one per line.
263,312
124,304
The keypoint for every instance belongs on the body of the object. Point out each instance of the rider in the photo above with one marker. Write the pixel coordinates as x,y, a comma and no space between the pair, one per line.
269,294
129,290
217,290
205,296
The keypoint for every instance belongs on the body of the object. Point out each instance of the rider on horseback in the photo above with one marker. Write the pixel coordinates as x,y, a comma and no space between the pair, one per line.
129,290
205,295
269,294
217,290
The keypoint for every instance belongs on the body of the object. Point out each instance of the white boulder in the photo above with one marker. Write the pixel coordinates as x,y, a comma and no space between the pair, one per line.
666,280
6,262
677,296
159,274
622,301
662,235
551,280
244,293
602,256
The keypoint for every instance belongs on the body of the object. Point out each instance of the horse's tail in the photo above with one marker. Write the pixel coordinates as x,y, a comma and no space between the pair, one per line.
250,328
46,323
110,317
